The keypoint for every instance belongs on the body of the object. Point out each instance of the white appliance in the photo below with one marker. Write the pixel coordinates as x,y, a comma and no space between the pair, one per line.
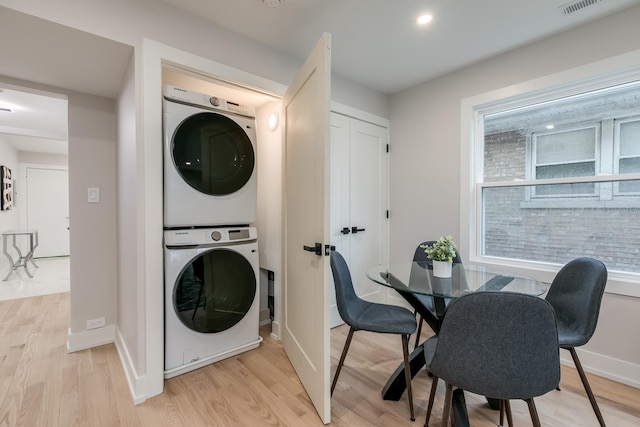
210,176
211,296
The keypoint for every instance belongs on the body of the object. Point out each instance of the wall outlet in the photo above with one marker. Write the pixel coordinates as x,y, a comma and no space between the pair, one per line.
95,323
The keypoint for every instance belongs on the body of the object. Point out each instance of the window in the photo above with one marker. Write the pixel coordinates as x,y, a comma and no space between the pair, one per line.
562,154
628,158
556,175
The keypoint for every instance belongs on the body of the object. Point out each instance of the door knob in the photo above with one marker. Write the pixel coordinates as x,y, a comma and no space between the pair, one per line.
345,230
354,230
317,249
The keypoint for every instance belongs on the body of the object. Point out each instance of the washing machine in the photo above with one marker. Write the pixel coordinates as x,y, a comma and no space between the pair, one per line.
210,176
211,296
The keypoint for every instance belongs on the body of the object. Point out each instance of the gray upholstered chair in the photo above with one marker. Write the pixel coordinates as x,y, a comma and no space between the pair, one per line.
420,257
362,315
575,294
501,345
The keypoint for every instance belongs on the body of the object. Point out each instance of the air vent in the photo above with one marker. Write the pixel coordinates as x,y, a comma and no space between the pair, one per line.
6,109
575,6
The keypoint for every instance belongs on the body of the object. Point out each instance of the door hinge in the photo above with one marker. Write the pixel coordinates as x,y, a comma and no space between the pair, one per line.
387,214
387,148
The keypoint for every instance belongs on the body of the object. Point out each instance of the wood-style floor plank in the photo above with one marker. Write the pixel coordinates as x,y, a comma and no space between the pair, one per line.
42,385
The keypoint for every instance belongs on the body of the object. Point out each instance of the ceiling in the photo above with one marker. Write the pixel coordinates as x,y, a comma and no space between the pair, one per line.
39,119
376,43
379,44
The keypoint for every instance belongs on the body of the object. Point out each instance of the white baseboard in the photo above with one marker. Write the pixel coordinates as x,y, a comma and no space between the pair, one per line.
135,381
265,316
92,338
607,367
275,331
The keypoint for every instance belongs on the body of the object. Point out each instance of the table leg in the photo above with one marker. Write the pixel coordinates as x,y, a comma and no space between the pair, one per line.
6,253
396,384
33,239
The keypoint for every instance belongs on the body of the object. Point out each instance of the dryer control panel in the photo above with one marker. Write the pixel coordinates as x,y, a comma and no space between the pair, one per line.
183,96
209,236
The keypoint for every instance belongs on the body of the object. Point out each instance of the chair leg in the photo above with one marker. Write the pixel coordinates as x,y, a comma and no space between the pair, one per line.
447,405
418,333
342,357
507,406
501,413
432,396
533,412
407,373
587,387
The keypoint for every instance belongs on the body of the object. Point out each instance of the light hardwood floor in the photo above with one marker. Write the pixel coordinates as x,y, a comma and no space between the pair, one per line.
41,385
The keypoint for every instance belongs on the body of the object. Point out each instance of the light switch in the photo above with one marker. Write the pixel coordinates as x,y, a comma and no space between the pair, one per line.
93,195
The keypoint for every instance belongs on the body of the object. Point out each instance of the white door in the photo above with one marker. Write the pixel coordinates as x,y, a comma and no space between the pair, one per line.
305,332
359,202
48,210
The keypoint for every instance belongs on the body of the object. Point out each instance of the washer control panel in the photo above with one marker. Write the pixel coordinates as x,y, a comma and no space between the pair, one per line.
208,236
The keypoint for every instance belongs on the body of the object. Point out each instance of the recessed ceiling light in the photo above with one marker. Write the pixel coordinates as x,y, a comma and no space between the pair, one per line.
272,3
424,19
550,127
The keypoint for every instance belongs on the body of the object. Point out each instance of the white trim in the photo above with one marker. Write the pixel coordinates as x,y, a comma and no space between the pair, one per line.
276,332
134,381
607,367
83,340
364,116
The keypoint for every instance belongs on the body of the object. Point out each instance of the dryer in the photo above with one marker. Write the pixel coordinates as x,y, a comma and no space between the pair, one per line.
211,296
210,176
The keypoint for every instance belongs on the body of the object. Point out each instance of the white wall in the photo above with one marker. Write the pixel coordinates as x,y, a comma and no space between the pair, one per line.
92,150
43,158
8,219
269,220
128,21
129,303
425,161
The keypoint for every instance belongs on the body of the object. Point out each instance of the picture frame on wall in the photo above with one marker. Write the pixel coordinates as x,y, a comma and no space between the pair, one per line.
6,203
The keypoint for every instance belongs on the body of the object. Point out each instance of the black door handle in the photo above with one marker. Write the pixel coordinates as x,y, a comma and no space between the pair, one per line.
354,230
317,249
345,230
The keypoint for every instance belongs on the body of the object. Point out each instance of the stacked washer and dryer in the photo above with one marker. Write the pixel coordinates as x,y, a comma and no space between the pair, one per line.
210,251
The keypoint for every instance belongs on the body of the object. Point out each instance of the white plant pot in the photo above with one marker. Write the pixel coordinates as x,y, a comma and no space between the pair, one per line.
442,269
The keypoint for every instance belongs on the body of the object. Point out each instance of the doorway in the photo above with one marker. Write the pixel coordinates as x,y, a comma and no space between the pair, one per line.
34,144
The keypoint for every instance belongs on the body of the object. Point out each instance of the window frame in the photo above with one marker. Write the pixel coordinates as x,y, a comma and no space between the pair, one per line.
616,153
613,71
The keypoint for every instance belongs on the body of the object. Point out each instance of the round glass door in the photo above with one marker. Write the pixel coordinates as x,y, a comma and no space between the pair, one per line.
213,154
214,291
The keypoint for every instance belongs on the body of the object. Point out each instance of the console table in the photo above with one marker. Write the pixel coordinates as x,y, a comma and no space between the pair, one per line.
21,261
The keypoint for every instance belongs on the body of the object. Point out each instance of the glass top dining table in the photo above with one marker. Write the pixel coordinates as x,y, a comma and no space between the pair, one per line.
417,278
415,281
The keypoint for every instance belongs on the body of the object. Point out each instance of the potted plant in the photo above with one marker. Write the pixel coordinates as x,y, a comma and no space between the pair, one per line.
442,253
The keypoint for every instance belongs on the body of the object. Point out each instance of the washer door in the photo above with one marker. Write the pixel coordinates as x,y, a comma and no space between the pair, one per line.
213,154
214,291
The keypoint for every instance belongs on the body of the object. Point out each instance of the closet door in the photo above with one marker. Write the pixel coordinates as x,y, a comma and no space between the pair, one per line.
359,202
47,199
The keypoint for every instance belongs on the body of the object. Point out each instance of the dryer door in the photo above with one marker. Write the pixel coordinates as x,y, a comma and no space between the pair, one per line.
214,291
213,154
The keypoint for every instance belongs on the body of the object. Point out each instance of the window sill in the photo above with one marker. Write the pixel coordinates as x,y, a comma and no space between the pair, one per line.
618,283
